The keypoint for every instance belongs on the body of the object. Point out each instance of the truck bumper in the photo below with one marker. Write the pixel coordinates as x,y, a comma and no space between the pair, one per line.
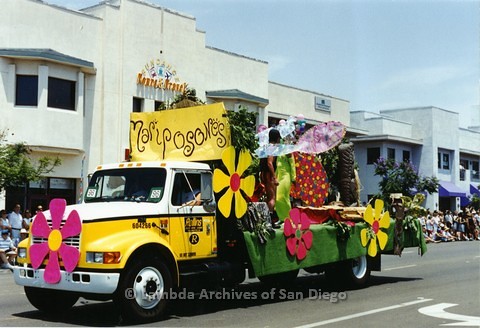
77,281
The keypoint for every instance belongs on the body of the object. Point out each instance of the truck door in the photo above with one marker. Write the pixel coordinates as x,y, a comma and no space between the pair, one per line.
192,229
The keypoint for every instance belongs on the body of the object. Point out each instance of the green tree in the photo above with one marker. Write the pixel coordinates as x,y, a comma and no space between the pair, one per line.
401,178
17,168
243,129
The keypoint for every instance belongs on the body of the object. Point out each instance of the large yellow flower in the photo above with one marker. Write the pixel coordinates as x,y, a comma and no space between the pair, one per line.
234,182
377,220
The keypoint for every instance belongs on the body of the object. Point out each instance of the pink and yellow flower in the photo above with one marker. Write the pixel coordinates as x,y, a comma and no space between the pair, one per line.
233,182
296,230
55,245
377,221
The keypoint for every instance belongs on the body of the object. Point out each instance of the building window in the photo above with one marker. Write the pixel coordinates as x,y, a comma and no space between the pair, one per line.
391,153
443,161
137,105
406,156
61,93
372,155
463,167
26,92
475,174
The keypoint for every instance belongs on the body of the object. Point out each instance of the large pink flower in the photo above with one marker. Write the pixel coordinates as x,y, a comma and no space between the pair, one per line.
55,245
299,238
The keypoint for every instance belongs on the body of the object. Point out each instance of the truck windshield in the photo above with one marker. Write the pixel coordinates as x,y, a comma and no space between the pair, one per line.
132,184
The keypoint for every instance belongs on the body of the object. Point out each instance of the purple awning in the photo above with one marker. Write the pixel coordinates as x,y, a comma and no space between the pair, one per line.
449,189
474,190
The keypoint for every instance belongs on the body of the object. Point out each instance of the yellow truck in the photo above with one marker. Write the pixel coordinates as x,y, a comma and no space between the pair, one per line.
146,229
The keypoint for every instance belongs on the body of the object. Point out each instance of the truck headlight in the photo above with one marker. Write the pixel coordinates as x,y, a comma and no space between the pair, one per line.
103,257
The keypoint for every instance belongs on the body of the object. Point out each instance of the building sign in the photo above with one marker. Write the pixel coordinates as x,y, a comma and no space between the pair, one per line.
322,103
158,74
197,133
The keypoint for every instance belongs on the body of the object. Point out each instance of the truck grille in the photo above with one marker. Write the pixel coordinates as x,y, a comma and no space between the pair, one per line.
70,241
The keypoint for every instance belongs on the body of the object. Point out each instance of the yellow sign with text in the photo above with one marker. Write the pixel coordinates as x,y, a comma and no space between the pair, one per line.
197,133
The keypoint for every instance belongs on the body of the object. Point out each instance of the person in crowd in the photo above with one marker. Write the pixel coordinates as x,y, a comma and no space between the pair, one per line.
461,226
428,236
436,220
448,219
429,224
476,221
16,220
4,222
471,230
39,209
268,177
8,252
23,234
27,220
442,234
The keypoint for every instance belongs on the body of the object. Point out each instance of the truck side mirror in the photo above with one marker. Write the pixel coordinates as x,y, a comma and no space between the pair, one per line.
206,186
206,193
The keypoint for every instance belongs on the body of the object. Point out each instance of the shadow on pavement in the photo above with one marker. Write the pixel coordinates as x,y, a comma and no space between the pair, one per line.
250,294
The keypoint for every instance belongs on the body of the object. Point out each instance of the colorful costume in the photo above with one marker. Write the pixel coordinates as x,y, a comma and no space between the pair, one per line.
285,175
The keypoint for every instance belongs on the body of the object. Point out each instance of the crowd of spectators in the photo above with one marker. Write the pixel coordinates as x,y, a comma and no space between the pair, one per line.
14,227
448,226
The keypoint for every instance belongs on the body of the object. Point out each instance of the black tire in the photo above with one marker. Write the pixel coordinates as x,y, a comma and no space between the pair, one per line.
279,279
140,295
50,301
353,273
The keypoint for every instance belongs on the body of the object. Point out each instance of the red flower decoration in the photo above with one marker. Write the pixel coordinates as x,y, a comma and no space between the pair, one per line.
299,238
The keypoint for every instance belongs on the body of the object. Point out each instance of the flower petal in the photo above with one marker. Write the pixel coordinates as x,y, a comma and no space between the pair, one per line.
385,220
72,226
304,221
288,229
40,227
244,162
372,248
307,239
228,159
57,209
291,245
295,216
382,239
70,256
52,271
378,208
368,215
363,237
248,185
240,205
37,253
220,180
225,203
301,251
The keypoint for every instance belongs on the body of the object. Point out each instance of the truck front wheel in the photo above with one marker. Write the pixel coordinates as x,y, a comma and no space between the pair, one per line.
50,300
140,295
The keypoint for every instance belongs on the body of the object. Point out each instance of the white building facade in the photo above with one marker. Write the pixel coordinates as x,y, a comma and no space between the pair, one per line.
70,79
431,139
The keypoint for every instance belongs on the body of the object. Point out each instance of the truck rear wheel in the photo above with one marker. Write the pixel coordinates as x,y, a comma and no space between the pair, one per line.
140,295
353,273
50,300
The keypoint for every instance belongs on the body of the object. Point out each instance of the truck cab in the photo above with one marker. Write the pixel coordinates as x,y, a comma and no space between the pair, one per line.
142,225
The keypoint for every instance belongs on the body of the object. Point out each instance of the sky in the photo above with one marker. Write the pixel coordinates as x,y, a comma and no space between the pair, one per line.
377,54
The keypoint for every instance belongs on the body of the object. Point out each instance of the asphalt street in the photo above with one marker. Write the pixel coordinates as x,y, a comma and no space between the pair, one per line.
440,288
